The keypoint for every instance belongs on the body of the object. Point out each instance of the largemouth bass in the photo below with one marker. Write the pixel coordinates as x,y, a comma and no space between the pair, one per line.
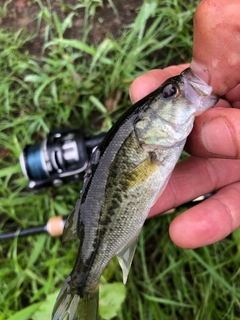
126,174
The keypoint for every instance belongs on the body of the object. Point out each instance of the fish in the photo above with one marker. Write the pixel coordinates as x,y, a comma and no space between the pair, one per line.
126,174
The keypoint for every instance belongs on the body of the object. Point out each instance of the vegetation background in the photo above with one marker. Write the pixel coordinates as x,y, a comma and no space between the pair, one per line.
69,64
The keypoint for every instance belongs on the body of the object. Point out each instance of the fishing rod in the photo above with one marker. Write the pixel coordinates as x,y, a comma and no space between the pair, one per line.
59,159
54,226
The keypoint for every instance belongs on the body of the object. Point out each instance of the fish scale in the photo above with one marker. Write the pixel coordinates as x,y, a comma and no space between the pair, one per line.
127,173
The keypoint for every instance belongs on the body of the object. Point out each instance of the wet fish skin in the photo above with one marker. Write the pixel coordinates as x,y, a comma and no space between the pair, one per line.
127,173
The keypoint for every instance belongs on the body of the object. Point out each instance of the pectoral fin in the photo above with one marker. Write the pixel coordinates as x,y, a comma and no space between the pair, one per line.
70,231
125,258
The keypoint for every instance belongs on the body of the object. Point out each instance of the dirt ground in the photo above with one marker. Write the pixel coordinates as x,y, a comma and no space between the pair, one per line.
23,14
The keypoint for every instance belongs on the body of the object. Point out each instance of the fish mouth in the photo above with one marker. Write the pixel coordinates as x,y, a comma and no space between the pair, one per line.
196,89
196,82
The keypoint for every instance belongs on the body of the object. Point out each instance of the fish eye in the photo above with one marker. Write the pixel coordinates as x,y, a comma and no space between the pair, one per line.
170,91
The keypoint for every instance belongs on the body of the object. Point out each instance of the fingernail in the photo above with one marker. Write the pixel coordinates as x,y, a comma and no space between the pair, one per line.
218,139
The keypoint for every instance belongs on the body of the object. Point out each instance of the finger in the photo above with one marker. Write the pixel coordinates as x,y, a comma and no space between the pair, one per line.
233,97
151,80
216,55
194,177
210,221
216,133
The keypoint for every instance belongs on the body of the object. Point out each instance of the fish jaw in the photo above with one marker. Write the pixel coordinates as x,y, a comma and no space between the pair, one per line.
198,92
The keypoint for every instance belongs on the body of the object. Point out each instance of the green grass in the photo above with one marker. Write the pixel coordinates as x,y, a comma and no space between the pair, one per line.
73,84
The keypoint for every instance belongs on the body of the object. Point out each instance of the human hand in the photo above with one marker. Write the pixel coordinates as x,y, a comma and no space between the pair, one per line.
214,142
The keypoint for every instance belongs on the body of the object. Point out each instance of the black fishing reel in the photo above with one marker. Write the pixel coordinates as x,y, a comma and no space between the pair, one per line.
59,159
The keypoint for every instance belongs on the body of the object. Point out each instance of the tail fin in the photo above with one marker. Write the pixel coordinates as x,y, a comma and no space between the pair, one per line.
74,306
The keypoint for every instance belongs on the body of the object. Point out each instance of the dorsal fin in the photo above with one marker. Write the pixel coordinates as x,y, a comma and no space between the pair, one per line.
70,231
125,257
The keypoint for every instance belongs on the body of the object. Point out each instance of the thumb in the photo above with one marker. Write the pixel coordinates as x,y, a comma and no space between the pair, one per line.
216,133
216,53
